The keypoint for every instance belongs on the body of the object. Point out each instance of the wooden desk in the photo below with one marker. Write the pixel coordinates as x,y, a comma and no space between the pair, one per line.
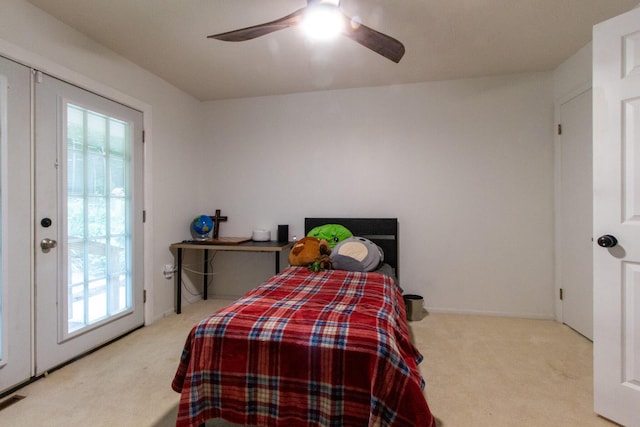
250,246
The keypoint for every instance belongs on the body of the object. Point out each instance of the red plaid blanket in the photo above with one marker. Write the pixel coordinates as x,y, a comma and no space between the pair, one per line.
305,349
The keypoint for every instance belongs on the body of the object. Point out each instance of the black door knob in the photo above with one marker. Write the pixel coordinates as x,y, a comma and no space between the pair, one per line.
607,241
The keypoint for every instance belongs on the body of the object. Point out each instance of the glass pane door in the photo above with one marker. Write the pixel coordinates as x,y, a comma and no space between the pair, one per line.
3,142
88,216
16,250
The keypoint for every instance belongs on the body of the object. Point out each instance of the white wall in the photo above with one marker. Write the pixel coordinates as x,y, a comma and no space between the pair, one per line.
172,120
466,166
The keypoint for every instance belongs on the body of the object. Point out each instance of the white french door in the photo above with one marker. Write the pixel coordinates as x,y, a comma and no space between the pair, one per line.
15,219
616,195
88,221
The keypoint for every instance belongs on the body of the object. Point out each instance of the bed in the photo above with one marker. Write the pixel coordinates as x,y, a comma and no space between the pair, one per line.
304,348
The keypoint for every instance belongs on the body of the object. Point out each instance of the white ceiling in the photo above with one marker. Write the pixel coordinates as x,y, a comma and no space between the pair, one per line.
444,39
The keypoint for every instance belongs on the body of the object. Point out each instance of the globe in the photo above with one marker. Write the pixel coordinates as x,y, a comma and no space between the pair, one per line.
201,226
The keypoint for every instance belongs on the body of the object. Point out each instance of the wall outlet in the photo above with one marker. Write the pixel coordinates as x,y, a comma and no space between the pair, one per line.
168,271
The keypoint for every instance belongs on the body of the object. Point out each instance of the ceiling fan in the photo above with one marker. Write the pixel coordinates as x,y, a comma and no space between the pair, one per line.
380,43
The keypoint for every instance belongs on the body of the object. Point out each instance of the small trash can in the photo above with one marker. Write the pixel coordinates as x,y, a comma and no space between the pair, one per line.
414,306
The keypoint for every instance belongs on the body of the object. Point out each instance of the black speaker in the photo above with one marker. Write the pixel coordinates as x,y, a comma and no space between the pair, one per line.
283,233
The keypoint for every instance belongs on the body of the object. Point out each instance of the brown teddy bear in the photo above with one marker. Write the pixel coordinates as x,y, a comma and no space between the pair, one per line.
310,251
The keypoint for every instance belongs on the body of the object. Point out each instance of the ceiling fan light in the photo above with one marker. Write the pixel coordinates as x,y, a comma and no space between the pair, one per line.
355,22
322,21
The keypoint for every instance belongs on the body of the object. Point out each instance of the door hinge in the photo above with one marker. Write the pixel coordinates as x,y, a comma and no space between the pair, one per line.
561,294
144,296
143,136
144,216
559,129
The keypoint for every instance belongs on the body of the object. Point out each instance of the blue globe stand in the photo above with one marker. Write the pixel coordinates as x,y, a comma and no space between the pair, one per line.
201,227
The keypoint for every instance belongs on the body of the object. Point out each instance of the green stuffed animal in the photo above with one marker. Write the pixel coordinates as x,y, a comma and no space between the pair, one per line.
332,233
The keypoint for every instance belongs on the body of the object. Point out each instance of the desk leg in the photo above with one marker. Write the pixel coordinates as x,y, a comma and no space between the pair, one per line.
277,262
205,281
179,283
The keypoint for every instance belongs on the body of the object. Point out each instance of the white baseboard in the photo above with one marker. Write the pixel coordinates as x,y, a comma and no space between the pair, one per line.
536,316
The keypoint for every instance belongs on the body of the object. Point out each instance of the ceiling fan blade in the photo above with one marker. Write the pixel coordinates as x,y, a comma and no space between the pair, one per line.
378,42
261,29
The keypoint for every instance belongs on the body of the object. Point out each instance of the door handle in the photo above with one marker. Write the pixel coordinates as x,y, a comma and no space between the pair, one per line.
607,241
48,244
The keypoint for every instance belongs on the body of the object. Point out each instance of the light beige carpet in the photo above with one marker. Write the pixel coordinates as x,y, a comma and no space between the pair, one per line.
480,371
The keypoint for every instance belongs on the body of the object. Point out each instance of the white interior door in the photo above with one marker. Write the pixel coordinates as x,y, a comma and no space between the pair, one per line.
15,232
575,217
88,221
616,132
